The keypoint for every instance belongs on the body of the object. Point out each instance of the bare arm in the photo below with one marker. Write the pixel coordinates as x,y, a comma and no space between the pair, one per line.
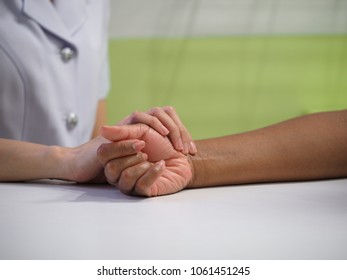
101,118
304,148
22,161
26,161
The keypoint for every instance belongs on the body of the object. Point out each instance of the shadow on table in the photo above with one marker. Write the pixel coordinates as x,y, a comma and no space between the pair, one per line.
88,192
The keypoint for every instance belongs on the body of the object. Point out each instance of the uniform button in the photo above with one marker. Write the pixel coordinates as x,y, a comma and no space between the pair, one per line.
66,54
71,121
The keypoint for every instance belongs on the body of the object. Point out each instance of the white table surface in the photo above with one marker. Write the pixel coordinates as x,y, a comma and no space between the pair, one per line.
59,220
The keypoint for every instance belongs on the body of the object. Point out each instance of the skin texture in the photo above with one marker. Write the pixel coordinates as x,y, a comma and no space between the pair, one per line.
305,148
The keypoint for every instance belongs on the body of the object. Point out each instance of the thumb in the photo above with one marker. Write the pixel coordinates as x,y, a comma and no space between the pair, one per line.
124,132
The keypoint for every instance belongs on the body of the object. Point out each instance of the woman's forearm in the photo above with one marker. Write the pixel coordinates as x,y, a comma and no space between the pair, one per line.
22,161
308,147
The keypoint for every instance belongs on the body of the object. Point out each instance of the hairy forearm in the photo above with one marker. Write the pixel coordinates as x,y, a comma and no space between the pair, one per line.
22,161
309,147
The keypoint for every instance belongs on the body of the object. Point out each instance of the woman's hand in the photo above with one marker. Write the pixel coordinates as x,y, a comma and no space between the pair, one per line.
157,169
80,164
166,122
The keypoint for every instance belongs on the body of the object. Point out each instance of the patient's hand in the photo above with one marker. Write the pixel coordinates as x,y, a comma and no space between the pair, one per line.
157,169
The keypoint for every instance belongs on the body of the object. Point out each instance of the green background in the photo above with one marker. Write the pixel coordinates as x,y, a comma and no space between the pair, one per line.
223,85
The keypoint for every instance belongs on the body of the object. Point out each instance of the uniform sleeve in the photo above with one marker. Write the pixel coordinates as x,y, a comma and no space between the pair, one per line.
12,98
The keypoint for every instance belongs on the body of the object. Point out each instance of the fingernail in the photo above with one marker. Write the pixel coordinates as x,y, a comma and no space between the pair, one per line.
144,156
159,165
179,145
138,146
186,148
164,130
193,148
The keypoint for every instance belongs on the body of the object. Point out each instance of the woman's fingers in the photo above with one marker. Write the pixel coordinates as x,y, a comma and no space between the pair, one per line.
130,176
171,125
139,179
165,121
115,168
114,150
188,144
144,185
150,120
123,132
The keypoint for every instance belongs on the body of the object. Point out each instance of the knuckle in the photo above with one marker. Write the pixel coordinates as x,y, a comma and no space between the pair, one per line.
135,116
112,171
101,152
170,109
138,157
146,165
143,129
153,121
155,111
127,175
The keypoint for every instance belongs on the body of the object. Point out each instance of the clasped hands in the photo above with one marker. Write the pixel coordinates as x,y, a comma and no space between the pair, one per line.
141,161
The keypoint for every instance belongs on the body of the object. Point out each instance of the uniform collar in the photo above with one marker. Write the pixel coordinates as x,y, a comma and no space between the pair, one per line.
62,19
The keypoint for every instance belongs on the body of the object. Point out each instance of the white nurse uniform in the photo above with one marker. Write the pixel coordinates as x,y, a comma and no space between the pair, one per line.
53,69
